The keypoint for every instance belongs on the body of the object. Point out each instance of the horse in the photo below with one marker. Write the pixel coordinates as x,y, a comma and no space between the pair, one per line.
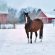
33,26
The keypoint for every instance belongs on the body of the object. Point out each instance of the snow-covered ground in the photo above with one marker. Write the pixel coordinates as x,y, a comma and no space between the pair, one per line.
14,42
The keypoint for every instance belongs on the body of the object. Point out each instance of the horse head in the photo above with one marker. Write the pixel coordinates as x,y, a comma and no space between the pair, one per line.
27,17
26,14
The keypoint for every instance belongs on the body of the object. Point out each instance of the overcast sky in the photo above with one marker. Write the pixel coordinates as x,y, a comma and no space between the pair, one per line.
43,4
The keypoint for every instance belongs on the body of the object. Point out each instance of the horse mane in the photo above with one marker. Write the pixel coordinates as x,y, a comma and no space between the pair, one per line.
29,20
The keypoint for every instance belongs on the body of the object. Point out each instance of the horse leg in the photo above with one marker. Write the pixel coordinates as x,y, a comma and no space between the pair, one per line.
30,37
27,36
41,34
36,36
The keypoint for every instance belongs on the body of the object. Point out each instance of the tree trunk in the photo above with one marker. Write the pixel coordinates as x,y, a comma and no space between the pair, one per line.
14,25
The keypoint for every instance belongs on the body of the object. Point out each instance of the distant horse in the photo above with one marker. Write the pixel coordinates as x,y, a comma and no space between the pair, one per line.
33,26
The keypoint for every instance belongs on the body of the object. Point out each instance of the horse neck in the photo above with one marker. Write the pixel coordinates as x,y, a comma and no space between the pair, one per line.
28,19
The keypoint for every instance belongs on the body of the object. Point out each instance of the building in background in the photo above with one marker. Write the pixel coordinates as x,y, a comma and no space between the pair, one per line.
3,12
46,17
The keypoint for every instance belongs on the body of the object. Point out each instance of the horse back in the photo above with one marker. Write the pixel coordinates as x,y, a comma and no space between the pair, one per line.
36,24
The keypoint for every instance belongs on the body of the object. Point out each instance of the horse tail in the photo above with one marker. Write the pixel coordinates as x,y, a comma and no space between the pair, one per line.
41,32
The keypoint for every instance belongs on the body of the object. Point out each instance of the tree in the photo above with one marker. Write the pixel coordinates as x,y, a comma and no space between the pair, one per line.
12,15
21,17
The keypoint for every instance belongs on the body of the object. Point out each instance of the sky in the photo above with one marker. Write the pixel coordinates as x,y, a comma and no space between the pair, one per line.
43,4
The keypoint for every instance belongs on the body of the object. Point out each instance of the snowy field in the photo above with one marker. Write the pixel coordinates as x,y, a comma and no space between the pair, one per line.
14,42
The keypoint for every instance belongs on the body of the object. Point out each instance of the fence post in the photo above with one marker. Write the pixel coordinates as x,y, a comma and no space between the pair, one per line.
0,25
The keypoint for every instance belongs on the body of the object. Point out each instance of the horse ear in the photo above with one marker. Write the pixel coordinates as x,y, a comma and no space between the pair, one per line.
26,13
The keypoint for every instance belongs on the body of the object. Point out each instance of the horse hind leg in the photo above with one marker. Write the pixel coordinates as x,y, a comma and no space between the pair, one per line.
41,33
40,37
36,36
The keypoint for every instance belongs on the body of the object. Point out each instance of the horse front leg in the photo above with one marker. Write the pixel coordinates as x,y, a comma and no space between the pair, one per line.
30,37
36,36
27,36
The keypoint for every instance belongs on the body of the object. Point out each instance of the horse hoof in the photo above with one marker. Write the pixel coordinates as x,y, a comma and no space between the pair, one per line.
41,40
35,41
31,42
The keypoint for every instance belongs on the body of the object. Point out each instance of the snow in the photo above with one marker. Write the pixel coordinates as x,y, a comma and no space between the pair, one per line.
14,42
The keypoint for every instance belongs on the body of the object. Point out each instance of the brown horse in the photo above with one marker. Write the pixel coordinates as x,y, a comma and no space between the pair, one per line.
33,26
